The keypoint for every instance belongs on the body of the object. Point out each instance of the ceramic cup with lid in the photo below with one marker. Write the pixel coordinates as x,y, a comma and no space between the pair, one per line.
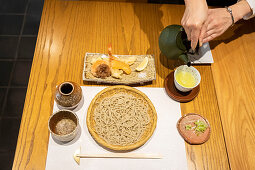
186,78
68,95
63,125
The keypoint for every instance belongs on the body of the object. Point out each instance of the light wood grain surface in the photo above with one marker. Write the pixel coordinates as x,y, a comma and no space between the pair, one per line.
67,31
234,75
133,1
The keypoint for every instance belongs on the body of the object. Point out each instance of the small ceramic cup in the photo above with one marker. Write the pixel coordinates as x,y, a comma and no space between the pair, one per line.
191,70
68,95
63,125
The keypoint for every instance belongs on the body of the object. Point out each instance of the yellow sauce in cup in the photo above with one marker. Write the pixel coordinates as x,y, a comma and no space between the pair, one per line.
185,79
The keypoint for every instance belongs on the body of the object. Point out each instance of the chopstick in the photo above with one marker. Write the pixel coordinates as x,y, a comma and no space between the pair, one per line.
122,155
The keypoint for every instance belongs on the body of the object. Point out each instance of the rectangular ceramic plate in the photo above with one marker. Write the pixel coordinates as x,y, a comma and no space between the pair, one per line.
146,75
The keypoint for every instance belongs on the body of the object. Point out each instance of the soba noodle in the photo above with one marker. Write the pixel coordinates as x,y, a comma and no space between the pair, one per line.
121,119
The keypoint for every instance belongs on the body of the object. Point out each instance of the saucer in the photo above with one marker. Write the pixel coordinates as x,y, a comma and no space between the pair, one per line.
176,94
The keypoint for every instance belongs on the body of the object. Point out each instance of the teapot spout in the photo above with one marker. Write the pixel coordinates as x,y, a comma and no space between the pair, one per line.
185,59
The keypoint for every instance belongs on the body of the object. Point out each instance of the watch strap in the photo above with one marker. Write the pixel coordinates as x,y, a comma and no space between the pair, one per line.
229,10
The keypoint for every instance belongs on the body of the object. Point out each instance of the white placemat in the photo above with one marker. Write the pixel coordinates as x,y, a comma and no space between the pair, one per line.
165,140
204,57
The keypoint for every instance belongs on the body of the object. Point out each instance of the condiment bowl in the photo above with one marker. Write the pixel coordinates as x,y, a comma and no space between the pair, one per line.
63,125
194,72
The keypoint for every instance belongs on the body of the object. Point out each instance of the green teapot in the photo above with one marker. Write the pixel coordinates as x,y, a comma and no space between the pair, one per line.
174,44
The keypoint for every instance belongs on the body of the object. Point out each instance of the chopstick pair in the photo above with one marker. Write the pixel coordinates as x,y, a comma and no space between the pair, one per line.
77,156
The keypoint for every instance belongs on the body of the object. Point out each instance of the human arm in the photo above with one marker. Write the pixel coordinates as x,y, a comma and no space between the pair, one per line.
252,6
219,20
193,19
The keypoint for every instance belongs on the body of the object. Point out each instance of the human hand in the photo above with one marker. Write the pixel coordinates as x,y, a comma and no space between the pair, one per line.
195,15
218,21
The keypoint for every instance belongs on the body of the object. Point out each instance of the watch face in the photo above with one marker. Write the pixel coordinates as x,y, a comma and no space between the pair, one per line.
229,9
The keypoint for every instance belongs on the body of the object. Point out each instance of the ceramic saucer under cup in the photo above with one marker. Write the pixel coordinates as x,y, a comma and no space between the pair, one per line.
177,95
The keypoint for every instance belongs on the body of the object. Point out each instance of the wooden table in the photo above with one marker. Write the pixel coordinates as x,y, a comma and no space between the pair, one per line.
69,29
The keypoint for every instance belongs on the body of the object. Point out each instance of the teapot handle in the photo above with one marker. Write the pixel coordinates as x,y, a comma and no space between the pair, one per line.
187,43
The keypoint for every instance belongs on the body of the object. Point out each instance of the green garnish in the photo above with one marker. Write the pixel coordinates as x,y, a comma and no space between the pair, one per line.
200,126
188,127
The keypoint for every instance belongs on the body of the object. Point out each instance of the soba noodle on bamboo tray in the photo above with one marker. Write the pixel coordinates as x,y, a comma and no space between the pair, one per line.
121,118
120,123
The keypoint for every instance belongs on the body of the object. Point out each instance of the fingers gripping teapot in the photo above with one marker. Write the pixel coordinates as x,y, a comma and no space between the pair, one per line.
173,43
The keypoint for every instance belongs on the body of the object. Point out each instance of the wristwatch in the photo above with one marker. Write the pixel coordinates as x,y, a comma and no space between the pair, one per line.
230,11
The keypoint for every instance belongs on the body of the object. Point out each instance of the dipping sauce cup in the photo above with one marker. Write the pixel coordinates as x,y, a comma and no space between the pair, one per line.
63,125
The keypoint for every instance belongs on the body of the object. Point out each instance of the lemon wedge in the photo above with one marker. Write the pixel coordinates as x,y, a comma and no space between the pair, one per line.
143,64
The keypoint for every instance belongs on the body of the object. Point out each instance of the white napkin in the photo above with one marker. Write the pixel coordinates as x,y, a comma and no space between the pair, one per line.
165,140
204,57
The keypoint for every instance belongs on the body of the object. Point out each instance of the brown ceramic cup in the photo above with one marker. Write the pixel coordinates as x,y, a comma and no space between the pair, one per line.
63,125
68,95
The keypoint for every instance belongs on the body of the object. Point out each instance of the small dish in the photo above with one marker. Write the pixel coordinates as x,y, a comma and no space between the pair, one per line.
63,125
189,127
191,74
68,95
